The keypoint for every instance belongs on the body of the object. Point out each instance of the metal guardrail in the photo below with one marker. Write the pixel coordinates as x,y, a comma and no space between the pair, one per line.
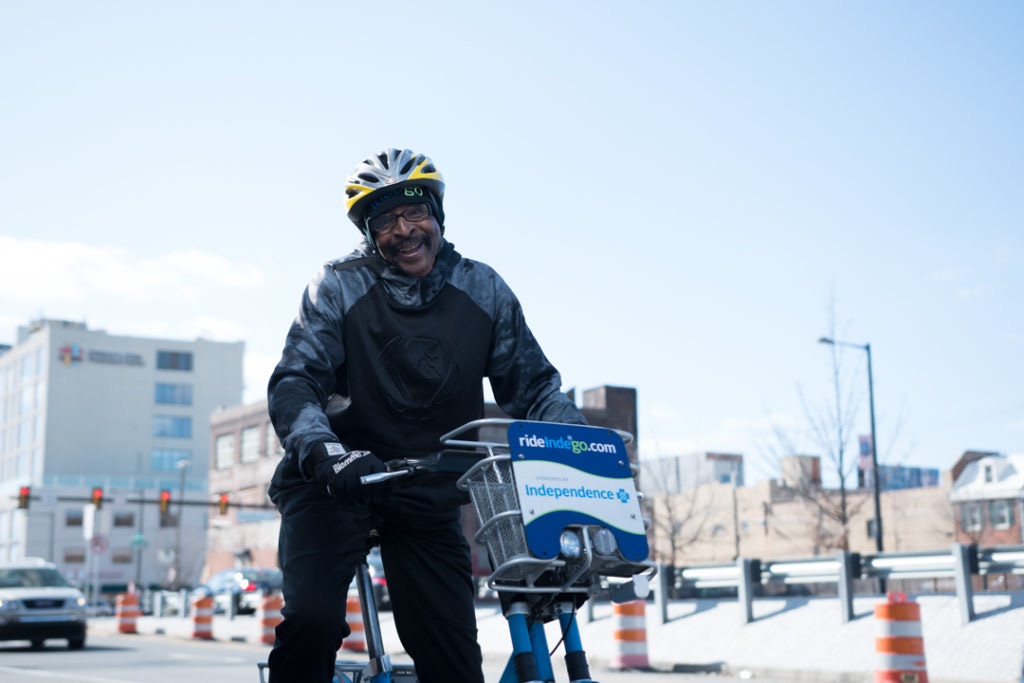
959,563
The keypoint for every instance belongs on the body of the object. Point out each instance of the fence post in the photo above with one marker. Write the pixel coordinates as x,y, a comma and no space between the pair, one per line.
847,567
745,585
962,576
661,592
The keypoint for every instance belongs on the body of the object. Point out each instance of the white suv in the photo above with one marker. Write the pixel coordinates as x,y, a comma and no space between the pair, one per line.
37,603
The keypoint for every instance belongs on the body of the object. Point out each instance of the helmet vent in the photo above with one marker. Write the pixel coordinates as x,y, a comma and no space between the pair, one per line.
351,192
384,159
429,168
407,166
369,177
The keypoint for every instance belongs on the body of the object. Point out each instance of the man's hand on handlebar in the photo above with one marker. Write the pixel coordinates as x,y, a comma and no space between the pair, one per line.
339,471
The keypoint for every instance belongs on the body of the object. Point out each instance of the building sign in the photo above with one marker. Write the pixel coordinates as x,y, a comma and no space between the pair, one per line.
110,358
72,354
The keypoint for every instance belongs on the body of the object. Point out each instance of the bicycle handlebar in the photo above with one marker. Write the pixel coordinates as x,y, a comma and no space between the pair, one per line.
380,477
452,462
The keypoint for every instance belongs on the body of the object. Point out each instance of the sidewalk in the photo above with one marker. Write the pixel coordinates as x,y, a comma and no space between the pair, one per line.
790,638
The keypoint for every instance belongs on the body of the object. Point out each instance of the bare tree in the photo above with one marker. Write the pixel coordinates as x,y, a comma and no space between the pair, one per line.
677,515
829,430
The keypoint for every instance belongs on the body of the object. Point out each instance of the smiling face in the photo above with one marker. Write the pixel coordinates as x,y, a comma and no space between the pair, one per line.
411,243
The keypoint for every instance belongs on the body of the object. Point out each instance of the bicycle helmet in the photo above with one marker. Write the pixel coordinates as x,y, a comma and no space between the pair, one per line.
375,183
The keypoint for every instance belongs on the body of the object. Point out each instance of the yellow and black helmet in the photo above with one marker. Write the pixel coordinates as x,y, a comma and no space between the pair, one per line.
376,182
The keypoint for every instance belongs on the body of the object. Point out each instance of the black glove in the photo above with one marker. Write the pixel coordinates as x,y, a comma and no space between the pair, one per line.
339,470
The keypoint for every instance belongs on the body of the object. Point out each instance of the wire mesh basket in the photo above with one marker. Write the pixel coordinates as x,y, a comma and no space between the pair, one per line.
492,490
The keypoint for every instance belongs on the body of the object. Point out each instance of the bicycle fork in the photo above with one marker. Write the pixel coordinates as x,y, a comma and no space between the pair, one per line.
531,661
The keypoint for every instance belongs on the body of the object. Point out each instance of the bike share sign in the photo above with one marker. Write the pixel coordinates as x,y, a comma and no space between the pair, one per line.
574,474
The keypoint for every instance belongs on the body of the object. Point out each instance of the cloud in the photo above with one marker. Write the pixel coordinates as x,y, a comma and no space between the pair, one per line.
951,274
256,369
201,327
37,273
969,293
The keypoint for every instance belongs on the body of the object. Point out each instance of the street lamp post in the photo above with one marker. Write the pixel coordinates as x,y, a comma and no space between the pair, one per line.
183,466
875,479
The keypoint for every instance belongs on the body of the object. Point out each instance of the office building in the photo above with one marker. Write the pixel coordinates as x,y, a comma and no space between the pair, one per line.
127,417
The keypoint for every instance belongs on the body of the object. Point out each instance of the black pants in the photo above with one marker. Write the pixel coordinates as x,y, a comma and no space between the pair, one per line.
428,568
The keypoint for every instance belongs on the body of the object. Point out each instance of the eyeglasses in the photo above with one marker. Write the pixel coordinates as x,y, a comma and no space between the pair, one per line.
386,222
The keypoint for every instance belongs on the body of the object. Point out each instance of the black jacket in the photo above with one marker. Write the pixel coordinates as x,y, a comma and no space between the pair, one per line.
398,361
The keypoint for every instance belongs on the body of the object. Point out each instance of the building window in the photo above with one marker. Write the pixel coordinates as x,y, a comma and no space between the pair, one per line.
224,451
166,459
1000,514
272,445
24,433
28,399
971,517
121,555
72,518
250,451
174,394
74,555
988,474
24,465
174,360
125,519
171,426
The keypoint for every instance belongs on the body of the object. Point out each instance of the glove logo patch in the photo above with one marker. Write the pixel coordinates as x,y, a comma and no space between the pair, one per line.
334,448
352,457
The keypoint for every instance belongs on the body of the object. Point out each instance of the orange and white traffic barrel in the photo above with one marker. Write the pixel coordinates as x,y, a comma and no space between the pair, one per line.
126,610
630,636
202,618
899,645
270,617
354,618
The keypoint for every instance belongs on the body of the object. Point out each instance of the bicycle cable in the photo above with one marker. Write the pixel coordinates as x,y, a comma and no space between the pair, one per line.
568,625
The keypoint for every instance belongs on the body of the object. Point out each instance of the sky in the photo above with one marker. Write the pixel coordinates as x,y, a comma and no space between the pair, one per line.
685,196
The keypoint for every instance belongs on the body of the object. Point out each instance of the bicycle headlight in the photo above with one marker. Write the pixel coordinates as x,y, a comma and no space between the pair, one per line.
604,541
569,543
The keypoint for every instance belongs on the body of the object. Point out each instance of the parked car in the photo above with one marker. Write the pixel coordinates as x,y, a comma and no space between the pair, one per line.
377,579
245,586
100,608
37,603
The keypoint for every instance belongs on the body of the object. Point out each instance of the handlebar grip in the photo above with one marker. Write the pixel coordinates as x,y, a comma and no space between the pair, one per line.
378,477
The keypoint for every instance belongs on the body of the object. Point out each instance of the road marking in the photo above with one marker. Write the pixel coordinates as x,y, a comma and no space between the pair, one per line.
207,658
54,674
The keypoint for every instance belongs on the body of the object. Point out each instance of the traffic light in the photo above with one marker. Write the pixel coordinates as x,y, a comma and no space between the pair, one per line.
97,497
223,503
24,493
165,501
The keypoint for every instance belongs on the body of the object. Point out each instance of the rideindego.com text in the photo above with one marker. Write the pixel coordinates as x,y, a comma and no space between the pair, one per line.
565,444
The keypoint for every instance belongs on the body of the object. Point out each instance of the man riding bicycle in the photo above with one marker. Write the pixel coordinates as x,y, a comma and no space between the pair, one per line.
388,352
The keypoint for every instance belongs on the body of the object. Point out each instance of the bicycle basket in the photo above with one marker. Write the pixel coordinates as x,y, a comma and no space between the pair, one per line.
491,487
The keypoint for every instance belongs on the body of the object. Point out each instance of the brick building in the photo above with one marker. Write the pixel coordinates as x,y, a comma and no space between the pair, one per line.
988,499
